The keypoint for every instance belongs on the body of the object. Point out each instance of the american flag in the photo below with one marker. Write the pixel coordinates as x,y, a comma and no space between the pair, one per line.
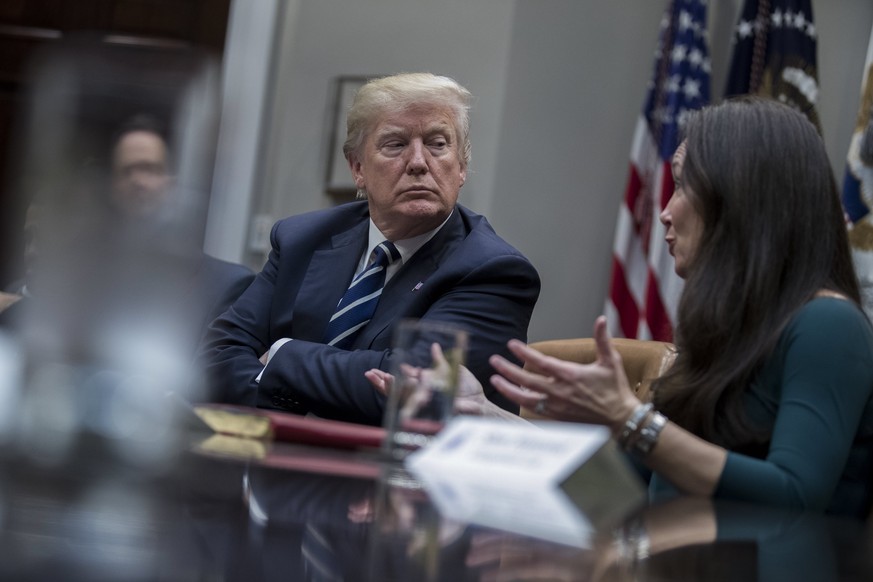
775,54
644,290
858,186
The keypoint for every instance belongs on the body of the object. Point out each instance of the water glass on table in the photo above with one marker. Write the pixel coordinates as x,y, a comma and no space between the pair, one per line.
426,366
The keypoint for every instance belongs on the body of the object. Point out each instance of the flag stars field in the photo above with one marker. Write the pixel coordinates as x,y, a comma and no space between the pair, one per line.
691,89
685,21
744,29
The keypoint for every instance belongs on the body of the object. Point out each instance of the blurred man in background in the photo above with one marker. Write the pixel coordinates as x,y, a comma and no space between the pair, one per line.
142,187
141,177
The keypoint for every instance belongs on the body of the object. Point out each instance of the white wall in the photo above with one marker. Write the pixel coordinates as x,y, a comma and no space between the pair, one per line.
578,72
559,85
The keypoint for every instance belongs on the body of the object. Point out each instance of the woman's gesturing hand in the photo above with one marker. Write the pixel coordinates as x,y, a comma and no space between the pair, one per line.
596,393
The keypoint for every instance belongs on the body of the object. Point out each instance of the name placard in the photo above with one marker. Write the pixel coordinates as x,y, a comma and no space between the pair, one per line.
545,479
542,453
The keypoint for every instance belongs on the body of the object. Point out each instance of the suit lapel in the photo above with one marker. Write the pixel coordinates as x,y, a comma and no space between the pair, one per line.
328,276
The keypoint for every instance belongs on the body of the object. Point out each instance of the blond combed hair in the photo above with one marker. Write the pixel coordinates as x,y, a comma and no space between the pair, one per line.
397,93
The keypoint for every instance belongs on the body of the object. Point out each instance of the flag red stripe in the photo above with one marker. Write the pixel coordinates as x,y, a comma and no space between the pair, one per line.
656,316
644,289
634,186
623,299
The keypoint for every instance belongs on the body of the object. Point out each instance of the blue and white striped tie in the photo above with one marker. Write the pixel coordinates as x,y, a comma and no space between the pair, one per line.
357,306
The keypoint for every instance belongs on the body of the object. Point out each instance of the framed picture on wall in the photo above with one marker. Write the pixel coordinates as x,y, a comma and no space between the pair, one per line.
339,184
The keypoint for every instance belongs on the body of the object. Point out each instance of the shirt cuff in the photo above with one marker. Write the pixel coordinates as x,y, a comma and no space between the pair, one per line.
273,349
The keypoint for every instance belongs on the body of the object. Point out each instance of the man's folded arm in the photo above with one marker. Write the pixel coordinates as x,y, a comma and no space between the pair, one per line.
493,303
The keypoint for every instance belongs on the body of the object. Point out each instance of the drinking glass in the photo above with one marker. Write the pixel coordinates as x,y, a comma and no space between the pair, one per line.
426,367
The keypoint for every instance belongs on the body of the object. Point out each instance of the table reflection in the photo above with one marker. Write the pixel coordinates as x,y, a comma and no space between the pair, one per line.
747,542
318,526
352,516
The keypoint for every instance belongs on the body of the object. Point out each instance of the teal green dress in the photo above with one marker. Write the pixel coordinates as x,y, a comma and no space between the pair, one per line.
814,394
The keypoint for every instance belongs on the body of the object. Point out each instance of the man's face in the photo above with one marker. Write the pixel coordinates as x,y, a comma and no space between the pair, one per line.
140,177
412,169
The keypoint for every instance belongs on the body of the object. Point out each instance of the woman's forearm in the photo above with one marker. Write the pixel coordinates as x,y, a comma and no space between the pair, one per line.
691,464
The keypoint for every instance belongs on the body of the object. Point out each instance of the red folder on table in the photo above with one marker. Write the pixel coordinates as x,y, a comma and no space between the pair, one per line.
256,423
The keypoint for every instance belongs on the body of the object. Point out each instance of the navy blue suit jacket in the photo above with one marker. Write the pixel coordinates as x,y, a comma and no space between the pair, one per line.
465,275
220,283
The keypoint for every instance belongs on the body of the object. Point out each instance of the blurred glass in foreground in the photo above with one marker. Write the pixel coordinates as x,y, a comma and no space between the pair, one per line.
112,313
426,368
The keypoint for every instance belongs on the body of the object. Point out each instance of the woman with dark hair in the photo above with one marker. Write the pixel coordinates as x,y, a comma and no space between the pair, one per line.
769,399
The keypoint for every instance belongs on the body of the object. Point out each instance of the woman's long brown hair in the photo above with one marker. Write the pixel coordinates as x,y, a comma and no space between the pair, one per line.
774,235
